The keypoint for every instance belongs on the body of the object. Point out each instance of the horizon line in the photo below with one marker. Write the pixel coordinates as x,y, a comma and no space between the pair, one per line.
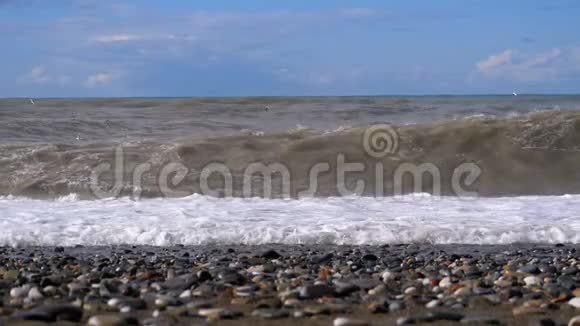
287,96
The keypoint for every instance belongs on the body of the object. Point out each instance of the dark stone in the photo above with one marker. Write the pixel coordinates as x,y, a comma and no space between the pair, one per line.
570,271
567,282
136,304
203,276
180,283
549,269
542,322
529,269
370,257
231,277
445,316
52,313
316,291
343,289
430,317
505,294
480,321
271,254
321,259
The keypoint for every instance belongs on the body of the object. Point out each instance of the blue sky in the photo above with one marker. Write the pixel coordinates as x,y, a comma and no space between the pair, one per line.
63,48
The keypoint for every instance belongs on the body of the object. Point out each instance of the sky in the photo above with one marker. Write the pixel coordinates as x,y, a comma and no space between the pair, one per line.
113,48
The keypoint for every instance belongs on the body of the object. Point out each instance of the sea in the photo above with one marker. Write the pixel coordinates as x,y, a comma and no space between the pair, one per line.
290,170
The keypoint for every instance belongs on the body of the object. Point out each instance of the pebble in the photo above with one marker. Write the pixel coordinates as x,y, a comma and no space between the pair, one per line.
345,288
532,280
575,321
343,321
445,282
480,321
529,269
35,295
575,302
433,304
219,313
111,320
464,291
387,276
316,291
411,290
20,292
271,313
271,254
430,317
396,306
542,322
52,313
300,281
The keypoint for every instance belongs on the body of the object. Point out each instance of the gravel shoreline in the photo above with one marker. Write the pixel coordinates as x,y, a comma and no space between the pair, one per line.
520,284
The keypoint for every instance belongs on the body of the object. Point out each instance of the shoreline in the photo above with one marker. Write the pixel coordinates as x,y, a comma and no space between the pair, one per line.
310,284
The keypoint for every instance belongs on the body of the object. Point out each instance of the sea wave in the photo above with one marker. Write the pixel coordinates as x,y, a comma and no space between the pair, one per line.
531,154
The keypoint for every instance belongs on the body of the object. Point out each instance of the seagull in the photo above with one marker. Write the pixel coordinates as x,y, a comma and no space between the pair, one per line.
267,108
31,101
515,94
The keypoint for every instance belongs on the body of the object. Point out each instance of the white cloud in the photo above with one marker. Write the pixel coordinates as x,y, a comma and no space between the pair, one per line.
101,79
494,62
119,38
114,38
516,66
40,75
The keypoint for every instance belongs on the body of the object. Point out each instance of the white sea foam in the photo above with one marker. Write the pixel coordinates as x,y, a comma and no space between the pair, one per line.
202,220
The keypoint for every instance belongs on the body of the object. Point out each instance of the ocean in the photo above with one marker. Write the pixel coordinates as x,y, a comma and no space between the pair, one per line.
295,170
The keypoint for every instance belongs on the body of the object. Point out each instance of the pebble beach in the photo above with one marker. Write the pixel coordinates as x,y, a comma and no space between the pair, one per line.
520,284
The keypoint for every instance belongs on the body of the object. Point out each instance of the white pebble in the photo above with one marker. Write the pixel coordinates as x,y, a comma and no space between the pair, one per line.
20,291
114,302
445,282
342,321
410,290
532,280
377,290
432,304
387,276
574,302
34,294
125,310
161,302
50,290
462,292
574,321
